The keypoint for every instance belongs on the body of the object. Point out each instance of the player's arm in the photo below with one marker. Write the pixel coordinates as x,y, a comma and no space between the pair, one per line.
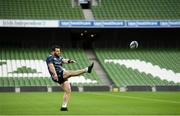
67,61
53,71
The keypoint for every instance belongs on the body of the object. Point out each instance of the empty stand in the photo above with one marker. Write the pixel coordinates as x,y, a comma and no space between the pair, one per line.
137,9
131,67
27,67
39,9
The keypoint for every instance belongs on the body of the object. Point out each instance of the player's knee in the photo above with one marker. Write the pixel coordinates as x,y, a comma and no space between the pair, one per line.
67,88
68,91
66,74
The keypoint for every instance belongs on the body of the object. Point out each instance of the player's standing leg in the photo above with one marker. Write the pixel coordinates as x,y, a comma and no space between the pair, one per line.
66,85
67,93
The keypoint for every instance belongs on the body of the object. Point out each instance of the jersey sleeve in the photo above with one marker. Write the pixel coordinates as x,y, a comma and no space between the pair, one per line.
62,59
49,60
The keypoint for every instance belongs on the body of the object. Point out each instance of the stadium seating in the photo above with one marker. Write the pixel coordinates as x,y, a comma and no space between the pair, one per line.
116,9
137,9
141,67
39,9
27,67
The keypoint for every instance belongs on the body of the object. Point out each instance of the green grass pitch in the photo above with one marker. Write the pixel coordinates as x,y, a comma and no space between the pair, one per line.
91,103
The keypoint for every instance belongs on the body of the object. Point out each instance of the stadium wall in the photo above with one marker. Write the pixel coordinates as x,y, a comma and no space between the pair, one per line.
34,37
90,89
102,38
147,38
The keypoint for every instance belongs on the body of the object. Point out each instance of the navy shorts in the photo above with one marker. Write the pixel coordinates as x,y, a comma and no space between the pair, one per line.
60,78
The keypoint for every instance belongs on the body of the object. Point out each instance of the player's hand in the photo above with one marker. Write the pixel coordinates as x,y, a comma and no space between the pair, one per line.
72,61
55,77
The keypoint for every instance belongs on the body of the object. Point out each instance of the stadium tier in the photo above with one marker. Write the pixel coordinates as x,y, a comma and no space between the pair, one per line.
27,67
39,9
106,10
137,9
141,67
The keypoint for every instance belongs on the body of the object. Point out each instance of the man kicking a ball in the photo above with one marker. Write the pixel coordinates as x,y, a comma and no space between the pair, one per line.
54,62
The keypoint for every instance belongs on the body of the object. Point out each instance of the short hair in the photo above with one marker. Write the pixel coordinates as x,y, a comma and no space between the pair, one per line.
54,47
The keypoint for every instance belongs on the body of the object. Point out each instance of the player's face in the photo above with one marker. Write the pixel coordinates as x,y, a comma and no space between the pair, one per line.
57,52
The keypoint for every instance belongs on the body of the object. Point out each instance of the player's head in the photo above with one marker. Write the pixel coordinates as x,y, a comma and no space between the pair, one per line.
56,50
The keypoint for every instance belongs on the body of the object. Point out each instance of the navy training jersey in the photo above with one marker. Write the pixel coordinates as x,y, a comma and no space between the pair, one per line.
57,61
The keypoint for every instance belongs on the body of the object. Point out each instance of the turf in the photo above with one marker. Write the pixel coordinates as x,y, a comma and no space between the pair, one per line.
91,103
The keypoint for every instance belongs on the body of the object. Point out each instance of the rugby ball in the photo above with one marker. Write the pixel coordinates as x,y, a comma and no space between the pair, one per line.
133,44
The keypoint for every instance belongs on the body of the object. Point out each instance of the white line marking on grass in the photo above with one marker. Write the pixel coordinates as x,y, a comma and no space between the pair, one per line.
138,98
89,115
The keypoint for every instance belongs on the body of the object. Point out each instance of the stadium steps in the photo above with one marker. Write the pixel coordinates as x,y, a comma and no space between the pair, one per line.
99,70
88,14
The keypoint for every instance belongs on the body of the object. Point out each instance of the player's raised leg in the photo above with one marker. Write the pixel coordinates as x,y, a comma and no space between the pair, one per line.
69,73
